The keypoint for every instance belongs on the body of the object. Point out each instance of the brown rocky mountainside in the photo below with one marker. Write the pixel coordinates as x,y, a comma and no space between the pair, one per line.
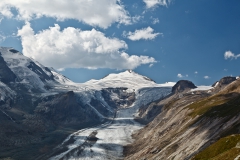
191,125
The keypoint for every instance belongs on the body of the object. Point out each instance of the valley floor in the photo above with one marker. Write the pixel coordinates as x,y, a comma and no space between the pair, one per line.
104,141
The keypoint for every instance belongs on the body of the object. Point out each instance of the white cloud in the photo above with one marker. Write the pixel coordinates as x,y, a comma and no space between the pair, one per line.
154,3
145,33
180,75
229,54
150,65
196,72
2,38
93,12
136,19
5,9
206,77
155,20
74,48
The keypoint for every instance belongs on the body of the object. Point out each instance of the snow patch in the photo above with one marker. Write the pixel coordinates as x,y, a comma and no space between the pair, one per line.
216,84
202,88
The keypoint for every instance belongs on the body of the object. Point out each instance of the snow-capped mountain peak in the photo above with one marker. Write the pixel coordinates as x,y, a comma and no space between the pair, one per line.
126,75
128,79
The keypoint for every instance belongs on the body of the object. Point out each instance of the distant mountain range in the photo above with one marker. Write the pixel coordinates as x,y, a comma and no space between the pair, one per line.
39,108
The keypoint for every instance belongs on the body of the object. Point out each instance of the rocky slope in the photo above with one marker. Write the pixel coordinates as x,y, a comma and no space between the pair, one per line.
189,122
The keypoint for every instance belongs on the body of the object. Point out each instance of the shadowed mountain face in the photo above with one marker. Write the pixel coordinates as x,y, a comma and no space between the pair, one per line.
65,109
6,75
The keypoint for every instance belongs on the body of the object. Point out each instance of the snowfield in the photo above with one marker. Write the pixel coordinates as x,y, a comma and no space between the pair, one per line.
203,88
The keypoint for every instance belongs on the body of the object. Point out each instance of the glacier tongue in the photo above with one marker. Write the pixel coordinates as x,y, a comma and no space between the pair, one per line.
106,141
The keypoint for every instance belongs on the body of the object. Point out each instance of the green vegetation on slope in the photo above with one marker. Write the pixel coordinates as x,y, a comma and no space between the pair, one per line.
226,148
217,106
224,105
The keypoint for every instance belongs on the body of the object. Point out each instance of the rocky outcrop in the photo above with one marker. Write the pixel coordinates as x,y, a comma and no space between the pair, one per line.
39,71
183,85
222,83
118,97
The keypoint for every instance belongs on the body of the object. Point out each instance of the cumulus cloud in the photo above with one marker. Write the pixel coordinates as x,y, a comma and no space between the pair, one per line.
74,48
154,3
145,33
93,12
196,72
230,55
206,77
180,75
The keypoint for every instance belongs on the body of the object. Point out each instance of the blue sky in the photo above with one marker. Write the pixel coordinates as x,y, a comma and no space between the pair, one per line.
164,40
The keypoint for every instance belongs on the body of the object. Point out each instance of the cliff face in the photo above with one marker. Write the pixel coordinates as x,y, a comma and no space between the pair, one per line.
188,124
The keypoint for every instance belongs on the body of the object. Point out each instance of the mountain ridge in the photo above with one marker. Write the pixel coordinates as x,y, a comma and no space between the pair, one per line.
39,108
